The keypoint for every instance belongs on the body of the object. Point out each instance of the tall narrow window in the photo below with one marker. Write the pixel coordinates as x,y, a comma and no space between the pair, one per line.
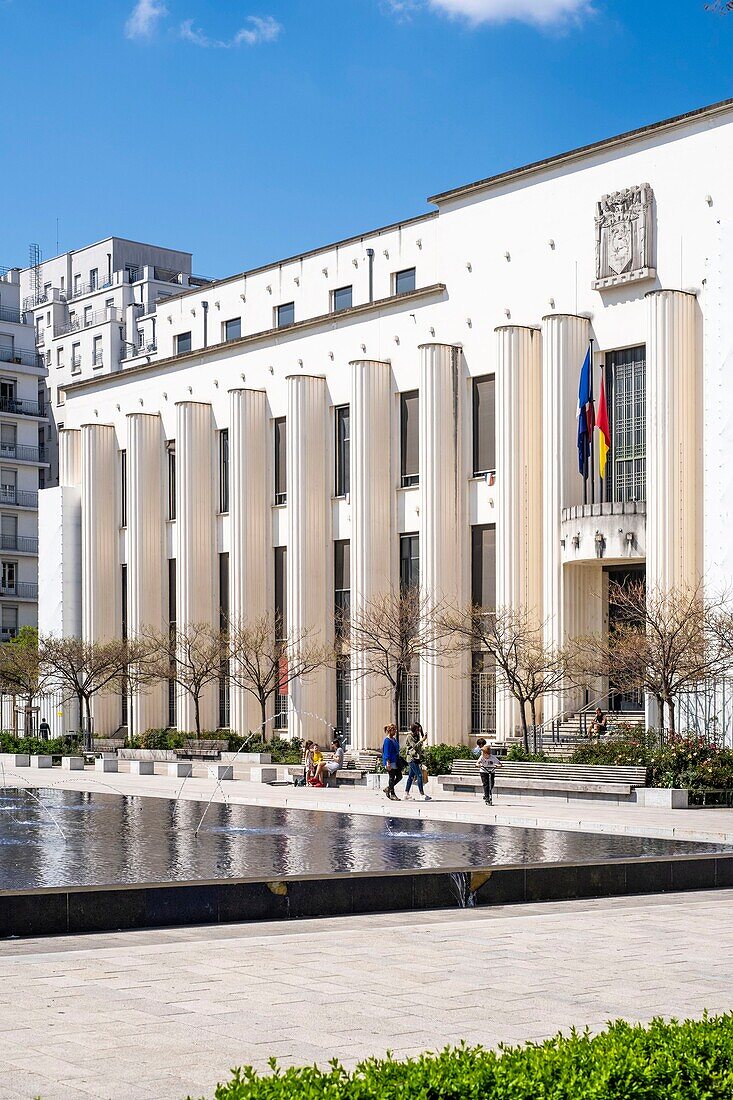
224,683
341,586
281,629
626,385
484,426
410,437
343,451
281,466
172,709
409,561
483,566
125,687
224,470
123,488
171,479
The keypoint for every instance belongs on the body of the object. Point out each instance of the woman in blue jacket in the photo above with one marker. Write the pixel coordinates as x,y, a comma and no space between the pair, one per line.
391,760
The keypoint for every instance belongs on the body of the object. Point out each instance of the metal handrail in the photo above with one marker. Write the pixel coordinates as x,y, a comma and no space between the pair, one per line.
11,315
23,453
17,355
99,317
21,590
25,544
21,408
21,498
89,288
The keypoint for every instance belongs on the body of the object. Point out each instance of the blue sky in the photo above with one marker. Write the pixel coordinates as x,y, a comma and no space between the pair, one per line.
247,130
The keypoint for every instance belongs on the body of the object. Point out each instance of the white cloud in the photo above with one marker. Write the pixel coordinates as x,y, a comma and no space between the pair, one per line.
541,13
258,29
143,18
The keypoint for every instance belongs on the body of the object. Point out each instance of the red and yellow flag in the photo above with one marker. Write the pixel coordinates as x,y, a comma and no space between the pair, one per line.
604,432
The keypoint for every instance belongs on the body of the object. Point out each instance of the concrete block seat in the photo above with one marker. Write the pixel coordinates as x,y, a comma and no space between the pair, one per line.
72,763
41,761
612,783
357,766
15,759
142,767
105,764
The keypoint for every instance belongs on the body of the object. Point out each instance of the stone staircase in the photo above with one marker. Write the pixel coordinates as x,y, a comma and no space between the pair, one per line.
573,731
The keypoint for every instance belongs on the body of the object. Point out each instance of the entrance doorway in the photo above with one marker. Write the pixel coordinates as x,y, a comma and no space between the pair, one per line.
620,698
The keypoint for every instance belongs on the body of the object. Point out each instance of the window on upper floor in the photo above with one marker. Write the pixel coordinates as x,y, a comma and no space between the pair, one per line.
233,328
483,566
97,352
87,316
224,470
77,284
281,592
132,273
404,281
343,451
342,298
285,315
341,587
94,278
410,437
281,464
171,448
76,357
59,357
484,425
409,561
123,488
183,342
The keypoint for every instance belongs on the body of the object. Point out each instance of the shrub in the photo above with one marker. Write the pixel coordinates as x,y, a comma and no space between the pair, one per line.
663,1059
159,739
518,752
282,749
440,757
35,746
681,761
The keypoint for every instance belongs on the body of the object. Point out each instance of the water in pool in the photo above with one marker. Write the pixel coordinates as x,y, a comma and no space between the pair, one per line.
50,837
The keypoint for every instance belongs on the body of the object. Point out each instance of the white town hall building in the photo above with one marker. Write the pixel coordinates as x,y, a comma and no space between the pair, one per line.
403,404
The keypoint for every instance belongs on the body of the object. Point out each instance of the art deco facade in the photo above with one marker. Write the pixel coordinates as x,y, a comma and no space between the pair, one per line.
403,406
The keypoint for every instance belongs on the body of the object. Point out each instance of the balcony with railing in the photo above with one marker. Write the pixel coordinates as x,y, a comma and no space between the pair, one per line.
21,590
19,452
18,355
12,316
98,317
21,544
89,288
18,498
17,406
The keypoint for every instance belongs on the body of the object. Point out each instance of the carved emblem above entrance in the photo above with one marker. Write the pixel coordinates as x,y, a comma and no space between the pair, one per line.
625,237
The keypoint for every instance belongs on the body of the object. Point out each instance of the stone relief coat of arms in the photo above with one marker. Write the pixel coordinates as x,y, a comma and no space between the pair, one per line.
624,237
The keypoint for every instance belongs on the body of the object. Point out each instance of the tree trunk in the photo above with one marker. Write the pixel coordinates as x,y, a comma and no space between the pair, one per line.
197,715
87,711
263,716
533,707
525,732
671,709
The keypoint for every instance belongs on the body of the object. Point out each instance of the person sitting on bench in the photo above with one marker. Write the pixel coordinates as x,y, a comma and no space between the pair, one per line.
327,769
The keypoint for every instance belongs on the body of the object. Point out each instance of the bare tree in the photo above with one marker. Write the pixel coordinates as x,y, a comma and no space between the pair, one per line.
513,642
663,642
82,670
261,663
20,670
190,655
390,635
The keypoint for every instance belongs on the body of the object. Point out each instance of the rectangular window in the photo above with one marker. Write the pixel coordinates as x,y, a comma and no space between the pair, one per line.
183,343
410,437
286,315
341,587
224,470
626,396
123,488
93,278
132,273
123,577
76,357
171,480
409,561
172,707
7,584
342,298
343,451
233,329
281,592
404,281
125,686
483,566
59,357
281,462
484,426
9,622
87,316
77,284
224,681
97,352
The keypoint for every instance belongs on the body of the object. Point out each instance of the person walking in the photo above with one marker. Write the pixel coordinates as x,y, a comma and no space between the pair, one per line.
44,730
415,756
391,761
487,765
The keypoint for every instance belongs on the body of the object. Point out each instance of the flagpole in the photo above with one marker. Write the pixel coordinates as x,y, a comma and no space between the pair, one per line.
593,428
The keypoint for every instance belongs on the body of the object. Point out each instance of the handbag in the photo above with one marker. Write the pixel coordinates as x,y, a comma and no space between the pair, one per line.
425,774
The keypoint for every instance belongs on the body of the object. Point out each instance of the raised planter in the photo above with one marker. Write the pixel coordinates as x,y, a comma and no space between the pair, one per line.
667,798
246,757
163,755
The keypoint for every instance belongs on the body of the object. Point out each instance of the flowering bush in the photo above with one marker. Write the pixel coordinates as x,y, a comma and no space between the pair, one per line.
679,760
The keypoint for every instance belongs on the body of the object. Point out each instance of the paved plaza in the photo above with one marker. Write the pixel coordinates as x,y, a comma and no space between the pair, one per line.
161,1014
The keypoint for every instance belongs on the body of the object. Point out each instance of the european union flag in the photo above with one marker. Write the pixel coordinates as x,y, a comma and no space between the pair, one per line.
586,415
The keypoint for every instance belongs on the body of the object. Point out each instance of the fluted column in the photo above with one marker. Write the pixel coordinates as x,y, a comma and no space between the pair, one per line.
518,483
444,687
101,574
674,437
311,702
564,344
69,456
250,534
146,552
196,565
371,528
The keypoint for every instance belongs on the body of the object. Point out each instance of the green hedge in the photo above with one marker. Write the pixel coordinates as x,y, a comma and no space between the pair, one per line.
681,761
662,1061
35,746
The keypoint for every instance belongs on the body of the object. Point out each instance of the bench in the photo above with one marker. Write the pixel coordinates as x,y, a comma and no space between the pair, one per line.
614,783
201,750
356,767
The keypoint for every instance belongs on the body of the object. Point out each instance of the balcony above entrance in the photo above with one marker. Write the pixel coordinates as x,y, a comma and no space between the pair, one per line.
613,532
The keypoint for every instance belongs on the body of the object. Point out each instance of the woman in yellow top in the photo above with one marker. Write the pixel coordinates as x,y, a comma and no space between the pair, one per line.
316,758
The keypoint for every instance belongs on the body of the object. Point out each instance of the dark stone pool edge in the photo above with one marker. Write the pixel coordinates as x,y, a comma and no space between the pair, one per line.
64,910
